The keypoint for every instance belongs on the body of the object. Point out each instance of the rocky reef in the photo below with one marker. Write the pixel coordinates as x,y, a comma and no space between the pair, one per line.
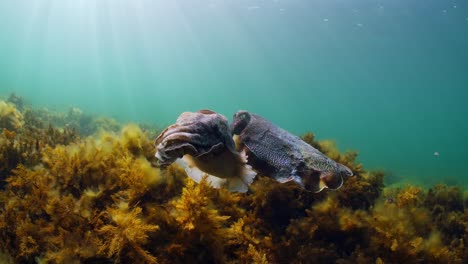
81,189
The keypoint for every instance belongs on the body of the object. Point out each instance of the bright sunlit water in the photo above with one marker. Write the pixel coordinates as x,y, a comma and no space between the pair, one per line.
388,78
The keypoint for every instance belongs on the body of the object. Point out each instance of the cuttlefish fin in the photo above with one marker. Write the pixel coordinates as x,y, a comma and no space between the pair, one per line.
237,183
197,175
241,183
310,181
285,179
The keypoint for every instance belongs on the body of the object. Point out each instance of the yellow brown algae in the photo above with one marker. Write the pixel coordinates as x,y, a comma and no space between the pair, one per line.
10,117
68,198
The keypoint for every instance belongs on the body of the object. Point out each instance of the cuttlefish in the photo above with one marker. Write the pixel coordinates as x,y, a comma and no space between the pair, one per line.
231,156
285,157
202,144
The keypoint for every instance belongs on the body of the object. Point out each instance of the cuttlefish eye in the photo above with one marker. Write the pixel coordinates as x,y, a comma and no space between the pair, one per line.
240,121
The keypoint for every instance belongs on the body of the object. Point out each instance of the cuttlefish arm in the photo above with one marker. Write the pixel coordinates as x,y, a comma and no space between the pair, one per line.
193,133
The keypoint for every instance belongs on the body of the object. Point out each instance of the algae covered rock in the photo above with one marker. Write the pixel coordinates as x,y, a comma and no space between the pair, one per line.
10,117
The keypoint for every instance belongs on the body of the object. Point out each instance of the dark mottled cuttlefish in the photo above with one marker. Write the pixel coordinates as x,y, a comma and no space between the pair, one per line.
275,152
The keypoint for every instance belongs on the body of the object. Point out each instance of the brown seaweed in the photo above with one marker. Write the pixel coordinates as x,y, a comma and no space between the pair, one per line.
73,198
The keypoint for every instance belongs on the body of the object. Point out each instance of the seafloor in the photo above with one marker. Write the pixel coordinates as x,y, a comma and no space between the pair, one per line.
77,188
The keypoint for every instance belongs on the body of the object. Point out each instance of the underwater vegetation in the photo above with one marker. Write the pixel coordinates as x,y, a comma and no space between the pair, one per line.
81,189
10,117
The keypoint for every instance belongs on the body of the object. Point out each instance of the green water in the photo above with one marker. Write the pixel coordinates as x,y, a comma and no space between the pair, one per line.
388,78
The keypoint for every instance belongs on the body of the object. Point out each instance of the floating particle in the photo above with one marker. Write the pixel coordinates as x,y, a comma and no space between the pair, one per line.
359,25
454,6
325,20
436,154
250,8
444,11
